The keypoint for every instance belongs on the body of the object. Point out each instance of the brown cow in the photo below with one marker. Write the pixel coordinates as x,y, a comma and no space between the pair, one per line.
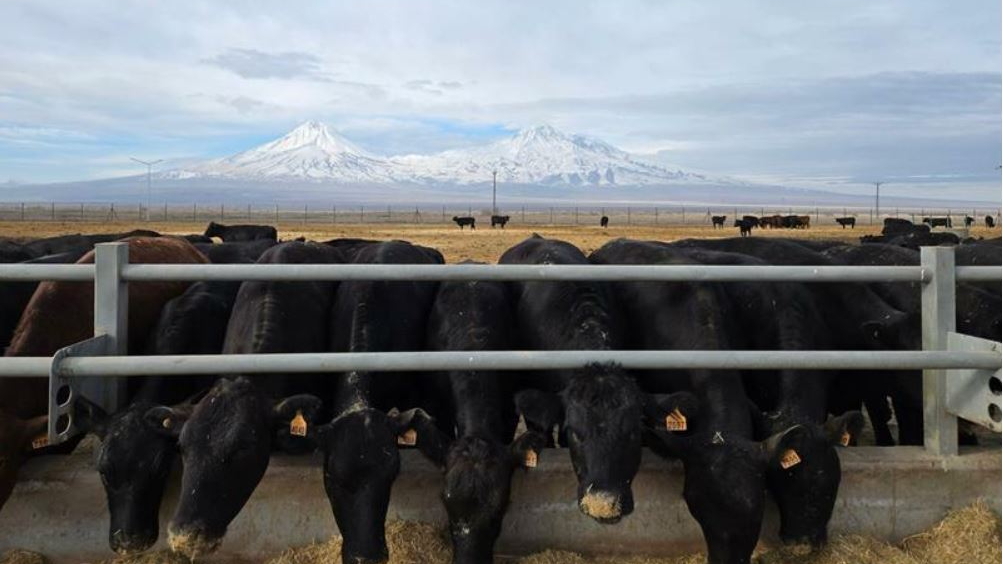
60,314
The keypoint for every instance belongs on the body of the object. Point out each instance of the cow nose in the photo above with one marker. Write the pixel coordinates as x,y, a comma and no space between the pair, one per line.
130,543
602,505
192,542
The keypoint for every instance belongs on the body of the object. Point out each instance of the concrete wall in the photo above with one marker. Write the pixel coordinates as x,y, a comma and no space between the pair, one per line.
59,507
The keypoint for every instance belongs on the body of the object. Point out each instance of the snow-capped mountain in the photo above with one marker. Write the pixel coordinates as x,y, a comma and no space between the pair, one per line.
309,152
540,155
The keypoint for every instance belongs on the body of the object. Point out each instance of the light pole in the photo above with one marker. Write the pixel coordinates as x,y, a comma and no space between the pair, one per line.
877,199
149,173
494,192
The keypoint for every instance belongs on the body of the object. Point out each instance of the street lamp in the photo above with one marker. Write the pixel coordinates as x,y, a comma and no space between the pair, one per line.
877,199
149,173
494,192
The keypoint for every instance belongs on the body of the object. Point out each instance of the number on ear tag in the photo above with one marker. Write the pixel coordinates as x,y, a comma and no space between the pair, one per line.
789,459
530,460
408,438
297,427
675,421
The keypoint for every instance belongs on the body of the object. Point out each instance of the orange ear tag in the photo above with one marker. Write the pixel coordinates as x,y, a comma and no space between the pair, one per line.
40,441
297,426
408,438
675,421
844,439
789,459
530,460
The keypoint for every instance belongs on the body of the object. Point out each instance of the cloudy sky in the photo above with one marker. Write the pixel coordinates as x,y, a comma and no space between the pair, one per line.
812,94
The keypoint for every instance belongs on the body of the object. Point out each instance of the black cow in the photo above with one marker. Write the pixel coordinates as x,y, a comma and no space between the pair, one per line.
752,220
598,409
744,227
136,451
990,222
235,253
844,221
238,233
15,252
604,222
80,243
463,221
718,221
725,468
937,221
978,314
788,316
895,226
226,442
969,221
361,458
479,461
499,220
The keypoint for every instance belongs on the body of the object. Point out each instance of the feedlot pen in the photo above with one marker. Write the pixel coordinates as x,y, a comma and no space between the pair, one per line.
887,492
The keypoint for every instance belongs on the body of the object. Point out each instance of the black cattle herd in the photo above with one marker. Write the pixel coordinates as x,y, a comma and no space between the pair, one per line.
743,437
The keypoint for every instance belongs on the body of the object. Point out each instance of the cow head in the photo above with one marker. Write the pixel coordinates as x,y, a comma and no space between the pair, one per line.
599,413
805,493
725,479
225,446
478,475
894,330
16,443
214,230
134,460
361,462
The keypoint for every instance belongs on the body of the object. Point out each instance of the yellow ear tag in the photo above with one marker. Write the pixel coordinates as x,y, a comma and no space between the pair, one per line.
297,426
675,421
530,460
844,439
408,438
789,459
40,441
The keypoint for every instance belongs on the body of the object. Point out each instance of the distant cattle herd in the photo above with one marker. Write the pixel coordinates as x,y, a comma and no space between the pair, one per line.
223,430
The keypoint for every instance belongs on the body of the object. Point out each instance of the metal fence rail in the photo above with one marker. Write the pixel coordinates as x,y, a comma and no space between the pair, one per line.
498,272
92,367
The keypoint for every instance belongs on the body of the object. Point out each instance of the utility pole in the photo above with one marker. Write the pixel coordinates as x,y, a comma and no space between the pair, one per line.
149,173
494,192
877,199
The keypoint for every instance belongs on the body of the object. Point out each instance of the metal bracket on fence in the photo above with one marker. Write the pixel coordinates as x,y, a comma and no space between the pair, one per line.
974,394
111,315
64,391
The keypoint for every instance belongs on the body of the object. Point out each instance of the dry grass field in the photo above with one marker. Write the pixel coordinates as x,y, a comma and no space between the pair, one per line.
484,244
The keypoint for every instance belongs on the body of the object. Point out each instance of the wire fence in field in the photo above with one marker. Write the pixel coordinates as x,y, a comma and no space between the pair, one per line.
527,215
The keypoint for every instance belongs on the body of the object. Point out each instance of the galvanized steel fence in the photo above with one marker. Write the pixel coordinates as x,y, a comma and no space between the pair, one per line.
960,374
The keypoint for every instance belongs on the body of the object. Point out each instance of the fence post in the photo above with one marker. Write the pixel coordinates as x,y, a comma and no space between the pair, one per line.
551,216
53,210
628,215
362,214
222,212
22,211
306,210
940,428
111,317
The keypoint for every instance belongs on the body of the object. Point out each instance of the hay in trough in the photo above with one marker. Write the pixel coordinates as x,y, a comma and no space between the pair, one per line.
150,557
969,535
408,543
18,556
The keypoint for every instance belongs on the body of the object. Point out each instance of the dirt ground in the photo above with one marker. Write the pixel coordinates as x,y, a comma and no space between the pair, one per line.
484,244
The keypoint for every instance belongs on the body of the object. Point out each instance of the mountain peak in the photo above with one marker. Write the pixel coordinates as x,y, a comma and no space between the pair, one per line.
313,134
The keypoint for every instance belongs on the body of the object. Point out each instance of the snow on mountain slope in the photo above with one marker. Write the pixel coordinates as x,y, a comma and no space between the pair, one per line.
539,155
309,152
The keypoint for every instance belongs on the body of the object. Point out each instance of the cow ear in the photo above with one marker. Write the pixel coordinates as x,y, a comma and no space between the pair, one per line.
293,417
416,428
297,413
89,417
671,412
845,429
166,420
526,449
784,450
888,330
541,410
